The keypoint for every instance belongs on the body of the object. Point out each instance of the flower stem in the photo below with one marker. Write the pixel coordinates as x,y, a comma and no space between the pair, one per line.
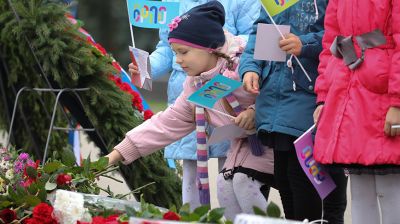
112,178
106,171
135,190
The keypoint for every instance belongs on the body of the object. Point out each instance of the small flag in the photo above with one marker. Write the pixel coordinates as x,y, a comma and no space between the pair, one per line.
315,172
274,7
152,14
214,90
74,141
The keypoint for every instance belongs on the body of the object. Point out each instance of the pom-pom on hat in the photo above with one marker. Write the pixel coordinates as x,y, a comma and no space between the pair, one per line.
200,27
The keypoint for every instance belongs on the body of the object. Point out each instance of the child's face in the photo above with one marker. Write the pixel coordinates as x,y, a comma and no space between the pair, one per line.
194,60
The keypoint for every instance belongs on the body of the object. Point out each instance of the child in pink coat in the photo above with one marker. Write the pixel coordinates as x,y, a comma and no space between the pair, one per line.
358,92
204,50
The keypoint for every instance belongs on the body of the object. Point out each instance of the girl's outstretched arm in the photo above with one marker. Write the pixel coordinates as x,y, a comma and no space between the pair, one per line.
161,130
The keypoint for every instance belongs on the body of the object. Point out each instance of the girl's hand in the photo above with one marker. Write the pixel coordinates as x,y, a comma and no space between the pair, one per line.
317,113
392,118
114,157
291,44
250,82
245,119
133,70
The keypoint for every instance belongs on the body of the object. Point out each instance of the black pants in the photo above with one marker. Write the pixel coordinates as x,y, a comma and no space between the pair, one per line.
299,198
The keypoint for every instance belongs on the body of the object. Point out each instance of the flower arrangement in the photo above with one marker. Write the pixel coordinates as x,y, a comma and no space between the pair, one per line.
31,193
24,184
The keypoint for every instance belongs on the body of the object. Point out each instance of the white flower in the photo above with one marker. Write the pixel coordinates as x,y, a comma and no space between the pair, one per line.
4,165
68,207
10,174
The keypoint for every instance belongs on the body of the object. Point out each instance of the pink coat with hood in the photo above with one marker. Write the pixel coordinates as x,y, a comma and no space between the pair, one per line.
351,126
178,120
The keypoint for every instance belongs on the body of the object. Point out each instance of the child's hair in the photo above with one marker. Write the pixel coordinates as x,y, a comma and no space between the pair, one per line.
230,62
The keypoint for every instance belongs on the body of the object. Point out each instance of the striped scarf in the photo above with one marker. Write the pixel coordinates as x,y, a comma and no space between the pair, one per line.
202,149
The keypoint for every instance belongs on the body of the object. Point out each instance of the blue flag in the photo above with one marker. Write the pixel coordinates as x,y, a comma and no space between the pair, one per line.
152,14
215,89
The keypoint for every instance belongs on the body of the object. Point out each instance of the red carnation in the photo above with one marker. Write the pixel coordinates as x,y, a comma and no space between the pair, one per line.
118,81
147,114
42,210
100,48
7,215
90,40
138,106
171,216
117,66
42,214
63,179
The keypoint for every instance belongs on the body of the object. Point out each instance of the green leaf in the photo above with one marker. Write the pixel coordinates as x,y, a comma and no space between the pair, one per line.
51,167
50,186
5,204
185,209
228,222
259,211
202,210
44,178
12,193
68,157
216,214
33,188
173,209
42,195
273,210
31,200
190,218
86,166
100,164
79,180
32,172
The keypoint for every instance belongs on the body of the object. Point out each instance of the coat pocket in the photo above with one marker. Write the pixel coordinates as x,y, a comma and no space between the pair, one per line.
300,78
373,73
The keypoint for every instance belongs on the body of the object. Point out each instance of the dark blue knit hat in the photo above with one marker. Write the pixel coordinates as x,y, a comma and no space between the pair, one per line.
200,27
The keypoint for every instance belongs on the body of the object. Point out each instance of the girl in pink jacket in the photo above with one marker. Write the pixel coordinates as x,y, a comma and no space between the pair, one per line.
204,50
359,104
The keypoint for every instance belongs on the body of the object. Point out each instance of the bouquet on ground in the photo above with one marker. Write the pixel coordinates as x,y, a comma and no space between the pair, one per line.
25,184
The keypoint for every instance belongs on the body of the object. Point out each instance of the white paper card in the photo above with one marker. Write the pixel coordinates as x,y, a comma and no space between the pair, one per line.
226,132
267,42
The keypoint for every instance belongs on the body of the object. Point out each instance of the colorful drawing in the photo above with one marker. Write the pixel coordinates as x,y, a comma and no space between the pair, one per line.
152,14
214,90
315,172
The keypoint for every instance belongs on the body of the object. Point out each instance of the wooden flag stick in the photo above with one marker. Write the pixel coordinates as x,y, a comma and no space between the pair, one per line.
130,25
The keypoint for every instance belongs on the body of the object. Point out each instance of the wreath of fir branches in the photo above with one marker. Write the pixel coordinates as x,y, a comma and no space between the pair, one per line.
68,60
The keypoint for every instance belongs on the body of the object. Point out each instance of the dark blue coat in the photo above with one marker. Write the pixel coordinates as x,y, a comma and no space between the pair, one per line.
287,101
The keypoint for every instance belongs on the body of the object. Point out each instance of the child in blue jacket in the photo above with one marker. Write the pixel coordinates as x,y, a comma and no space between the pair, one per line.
285,106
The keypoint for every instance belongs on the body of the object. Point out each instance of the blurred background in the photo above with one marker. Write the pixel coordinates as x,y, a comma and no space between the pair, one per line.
107,22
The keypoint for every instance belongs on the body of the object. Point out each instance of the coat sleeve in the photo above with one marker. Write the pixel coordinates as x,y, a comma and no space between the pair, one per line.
312,41
162,58
247,12
161,130
247,61
394,75
331,31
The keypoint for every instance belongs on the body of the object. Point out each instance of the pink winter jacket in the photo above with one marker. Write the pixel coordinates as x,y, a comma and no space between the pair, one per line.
178,120
351,126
